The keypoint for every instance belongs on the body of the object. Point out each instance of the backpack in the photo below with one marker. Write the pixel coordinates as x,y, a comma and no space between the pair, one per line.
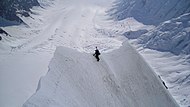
97,52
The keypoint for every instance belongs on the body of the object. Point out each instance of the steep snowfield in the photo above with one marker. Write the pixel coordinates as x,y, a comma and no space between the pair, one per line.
120,79
173,70
150,11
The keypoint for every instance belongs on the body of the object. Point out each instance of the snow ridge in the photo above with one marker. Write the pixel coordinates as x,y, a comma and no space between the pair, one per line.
77,80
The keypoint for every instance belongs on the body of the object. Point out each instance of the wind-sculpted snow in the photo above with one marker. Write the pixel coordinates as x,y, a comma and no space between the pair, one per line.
150,11
120,79
172,36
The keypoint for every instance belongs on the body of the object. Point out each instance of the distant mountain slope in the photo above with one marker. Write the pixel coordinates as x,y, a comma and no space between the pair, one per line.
172,36
150,11
9,9
171,18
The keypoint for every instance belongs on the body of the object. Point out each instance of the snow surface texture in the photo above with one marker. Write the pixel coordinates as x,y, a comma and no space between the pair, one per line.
150,11
172,36
120,79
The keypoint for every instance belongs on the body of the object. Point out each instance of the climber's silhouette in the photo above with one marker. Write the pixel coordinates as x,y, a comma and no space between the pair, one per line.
96,54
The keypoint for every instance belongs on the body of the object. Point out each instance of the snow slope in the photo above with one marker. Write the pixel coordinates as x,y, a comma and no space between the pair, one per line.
121,78
174,70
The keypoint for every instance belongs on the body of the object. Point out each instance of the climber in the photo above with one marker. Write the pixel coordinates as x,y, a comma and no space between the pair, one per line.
96,54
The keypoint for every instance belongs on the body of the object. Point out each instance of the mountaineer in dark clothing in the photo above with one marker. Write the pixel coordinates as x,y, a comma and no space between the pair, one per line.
96,54
163,82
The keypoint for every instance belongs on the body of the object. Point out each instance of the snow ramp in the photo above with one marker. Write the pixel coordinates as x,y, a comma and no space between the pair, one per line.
121,79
